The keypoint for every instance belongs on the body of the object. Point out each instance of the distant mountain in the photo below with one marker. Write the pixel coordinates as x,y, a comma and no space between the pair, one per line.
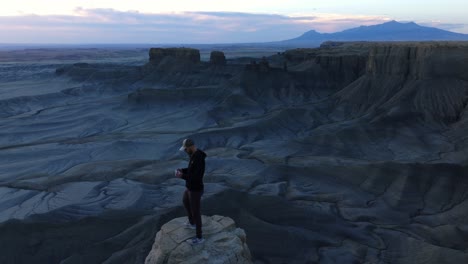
389,31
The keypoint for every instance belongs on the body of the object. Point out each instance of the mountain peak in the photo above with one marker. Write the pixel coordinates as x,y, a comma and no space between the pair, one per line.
394,22
310,34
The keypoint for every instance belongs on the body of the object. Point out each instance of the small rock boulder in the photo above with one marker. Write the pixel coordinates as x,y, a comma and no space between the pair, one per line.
224,243
217,58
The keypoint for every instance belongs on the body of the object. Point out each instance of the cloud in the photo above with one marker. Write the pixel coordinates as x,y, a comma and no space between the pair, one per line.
329,23
111,26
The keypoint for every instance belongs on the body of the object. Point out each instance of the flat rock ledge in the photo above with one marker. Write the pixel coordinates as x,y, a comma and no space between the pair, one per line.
224,243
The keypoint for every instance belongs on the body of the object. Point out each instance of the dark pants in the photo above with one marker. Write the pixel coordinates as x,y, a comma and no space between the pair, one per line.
192,206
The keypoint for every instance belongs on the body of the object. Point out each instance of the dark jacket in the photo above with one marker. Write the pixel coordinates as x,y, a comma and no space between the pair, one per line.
193,175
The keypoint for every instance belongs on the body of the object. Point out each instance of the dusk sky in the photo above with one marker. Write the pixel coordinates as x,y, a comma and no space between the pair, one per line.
210,21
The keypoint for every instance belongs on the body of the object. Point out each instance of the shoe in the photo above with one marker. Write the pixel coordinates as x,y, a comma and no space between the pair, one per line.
188,225
195,241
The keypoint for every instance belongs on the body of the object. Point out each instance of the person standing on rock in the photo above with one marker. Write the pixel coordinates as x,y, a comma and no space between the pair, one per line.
193,176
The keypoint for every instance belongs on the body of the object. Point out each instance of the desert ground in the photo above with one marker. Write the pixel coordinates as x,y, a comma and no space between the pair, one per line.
347,153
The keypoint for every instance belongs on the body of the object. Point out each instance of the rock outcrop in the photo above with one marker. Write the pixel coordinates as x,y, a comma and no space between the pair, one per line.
181,67
217,58
224,243
185,54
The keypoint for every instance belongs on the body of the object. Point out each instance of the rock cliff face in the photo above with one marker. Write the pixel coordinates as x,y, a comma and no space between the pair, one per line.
303,75
428,81
419,60
224,243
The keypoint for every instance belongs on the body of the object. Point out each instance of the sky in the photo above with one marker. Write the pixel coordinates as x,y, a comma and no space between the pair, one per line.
209,21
